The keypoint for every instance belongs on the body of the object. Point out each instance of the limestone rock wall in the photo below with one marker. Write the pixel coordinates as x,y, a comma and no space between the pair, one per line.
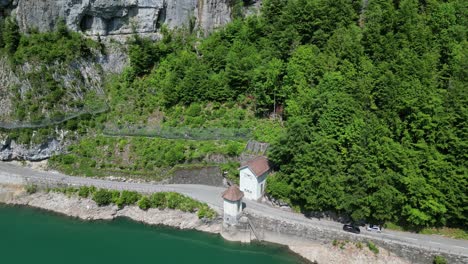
10,150
8,79
120,17
110,19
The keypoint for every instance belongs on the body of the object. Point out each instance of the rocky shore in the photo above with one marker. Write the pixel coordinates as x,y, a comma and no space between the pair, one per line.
87,209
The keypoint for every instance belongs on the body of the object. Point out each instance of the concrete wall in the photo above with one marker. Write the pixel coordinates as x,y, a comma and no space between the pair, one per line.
210,175
231,211
272,229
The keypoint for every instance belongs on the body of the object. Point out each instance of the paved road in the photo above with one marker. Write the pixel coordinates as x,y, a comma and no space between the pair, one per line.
212,196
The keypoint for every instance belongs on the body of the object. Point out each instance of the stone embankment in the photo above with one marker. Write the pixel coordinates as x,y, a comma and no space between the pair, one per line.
296,235
334,251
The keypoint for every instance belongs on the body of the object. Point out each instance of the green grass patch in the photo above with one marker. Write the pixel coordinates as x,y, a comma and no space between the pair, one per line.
139,111
140,157
457,233
372,247
231,171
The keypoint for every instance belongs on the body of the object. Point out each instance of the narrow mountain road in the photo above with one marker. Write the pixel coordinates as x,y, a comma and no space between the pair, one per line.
10,173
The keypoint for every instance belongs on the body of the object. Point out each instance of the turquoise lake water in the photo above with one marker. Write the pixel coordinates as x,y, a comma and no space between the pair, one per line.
31,236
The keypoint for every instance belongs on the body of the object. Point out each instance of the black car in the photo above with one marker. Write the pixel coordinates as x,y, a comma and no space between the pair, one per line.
352,229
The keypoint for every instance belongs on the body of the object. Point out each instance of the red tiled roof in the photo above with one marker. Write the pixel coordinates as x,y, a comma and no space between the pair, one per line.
233,193
258,166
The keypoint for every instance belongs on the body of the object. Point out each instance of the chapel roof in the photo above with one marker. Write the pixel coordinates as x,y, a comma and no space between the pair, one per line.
258,166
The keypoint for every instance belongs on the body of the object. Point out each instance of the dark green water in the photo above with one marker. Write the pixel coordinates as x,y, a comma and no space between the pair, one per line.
29,235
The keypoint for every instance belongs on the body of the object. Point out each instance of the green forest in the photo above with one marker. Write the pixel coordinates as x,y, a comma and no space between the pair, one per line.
372,101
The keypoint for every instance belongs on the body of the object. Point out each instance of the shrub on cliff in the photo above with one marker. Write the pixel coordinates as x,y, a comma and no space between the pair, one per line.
102,197
173,200
128,198
30,189
115,197
84,191
372,247
188,204
158,200
439,260
11,36
60,45
144,203
206,212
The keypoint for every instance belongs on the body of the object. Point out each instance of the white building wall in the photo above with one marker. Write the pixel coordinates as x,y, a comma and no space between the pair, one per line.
251,185
248,184
261,181
231,211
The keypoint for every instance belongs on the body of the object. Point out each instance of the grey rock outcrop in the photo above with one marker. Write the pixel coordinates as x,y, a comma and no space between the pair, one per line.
8,79
111,19
79,78
122,17
212,14
10,150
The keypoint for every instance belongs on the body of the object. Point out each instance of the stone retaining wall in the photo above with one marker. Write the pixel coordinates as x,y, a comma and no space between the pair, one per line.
270,229
209,175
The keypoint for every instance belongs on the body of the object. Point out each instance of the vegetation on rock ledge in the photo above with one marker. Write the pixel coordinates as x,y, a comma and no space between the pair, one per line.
160,200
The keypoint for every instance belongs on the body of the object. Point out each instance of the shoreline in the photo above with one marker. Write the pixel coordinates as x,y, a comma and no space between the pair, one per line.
87,210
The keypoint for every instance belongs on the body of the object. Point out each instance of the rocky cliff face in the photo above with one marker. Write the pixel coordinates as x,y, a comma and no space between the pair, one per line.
115,19
10,150
7,79
78,79
120,17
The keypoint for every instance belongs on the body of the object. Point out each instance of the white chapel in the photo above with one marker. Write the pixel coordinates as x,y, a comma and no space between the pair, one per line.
253,174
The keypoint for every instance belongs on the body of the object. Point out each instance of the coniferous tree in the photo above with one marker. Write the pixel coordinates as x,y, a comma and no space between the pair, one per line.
11,35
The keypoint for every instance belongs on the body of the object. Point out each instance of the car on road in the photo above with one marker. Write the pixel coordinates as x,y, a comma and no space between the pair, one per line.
374,228
352,229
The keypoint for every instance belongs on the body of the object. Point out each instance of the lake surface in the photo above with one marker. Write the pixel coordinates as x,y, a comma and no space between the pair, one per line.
30,235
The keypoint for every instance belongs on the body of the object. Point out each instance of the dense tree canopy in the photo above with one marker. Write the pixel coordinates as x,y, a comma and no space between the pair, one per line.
375,101
376,127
